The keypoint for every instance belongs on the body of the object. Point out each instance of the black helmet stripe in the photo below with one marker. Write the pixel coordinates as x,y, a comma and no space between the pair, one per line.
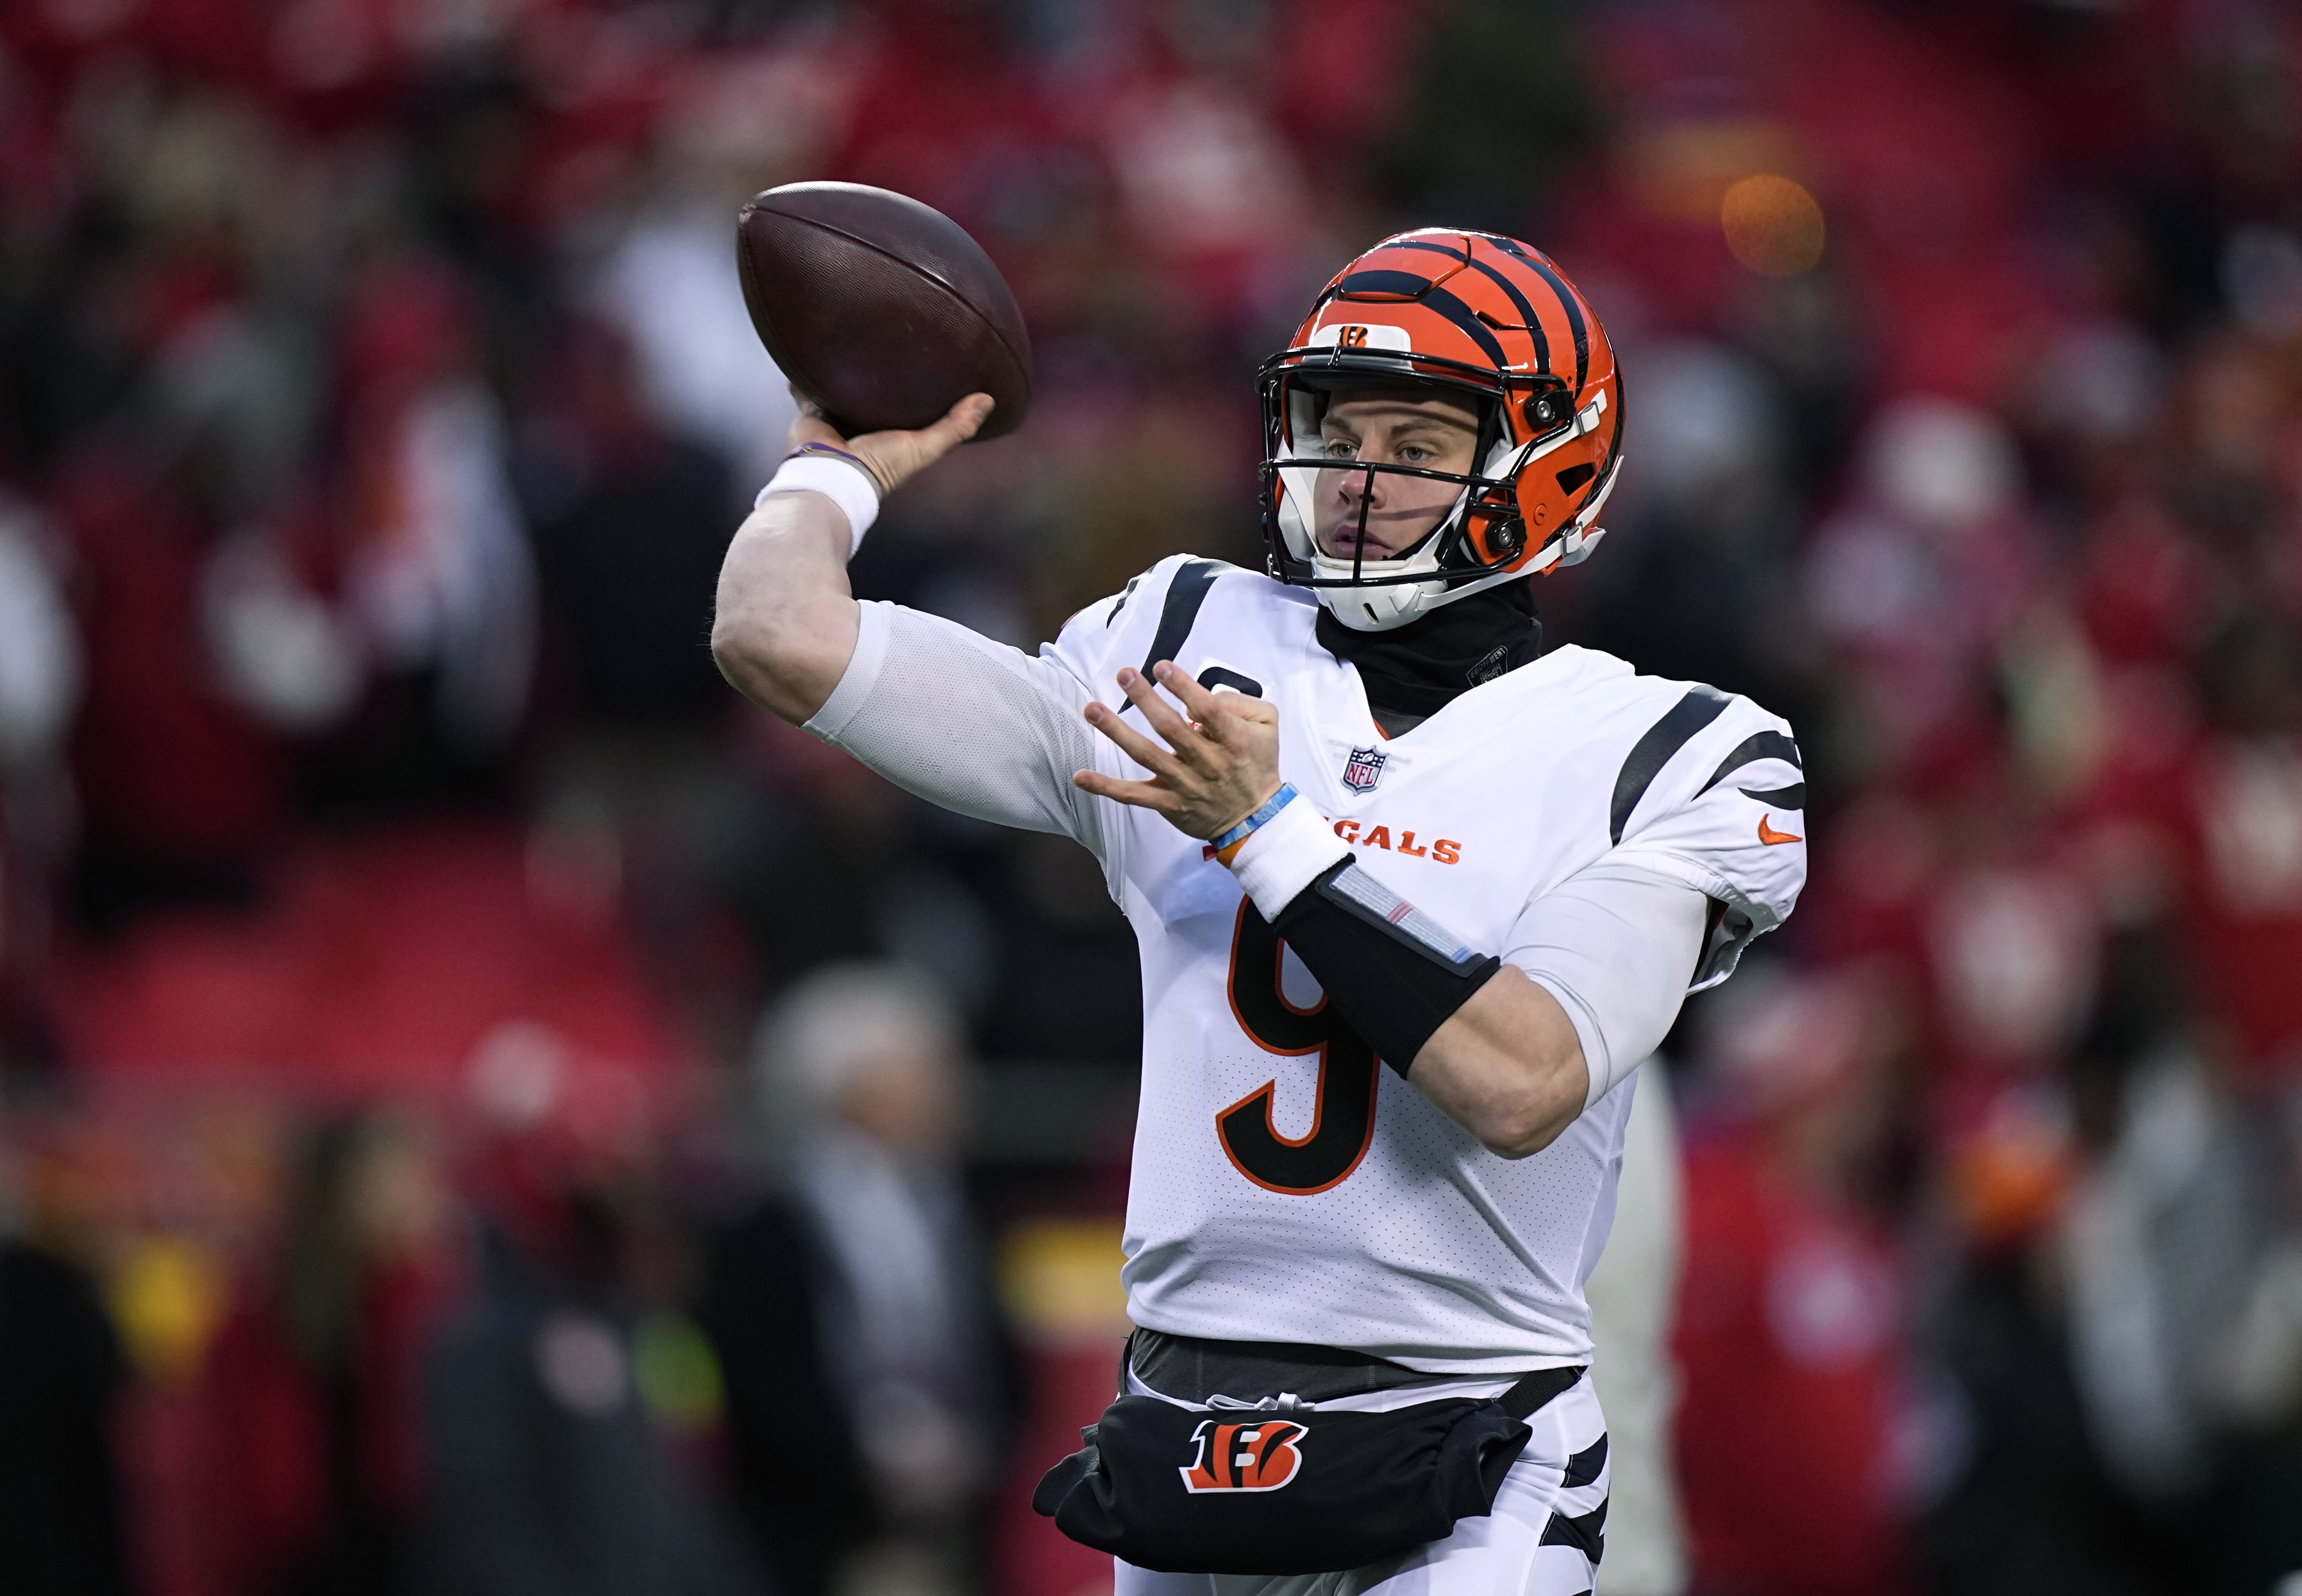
1566,300
1527,318
1573,319
1533,322
1425,292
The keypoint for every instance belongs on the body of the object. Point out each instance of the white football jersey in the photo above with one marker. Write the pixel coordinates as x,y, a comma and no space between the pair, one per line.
1286,1186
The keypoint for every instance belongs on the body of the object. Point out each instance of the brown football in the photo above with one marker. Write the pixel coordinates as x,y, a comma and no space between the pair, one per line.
880,309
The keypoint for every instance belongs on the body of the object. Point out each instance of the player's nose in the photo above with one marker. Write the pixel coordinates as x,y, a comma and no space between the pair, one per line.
1363,484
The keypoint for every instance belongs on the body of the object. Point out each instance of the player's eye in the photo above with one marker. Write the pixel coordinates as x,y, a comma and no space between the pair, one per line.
1414,454
1338,448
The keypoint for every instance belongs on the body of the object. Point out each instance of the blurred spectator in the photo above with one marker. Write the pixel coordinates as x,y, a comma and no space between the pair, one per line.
181,788
2186,1320
315,1482
635,795
1633,1293
2014,1494
436,569
40,675
819,829
1496,110
546,1470
2245,790
667,288
61,1528
867,1379
630,525
1917,583
1791,1321
1695,585
40,660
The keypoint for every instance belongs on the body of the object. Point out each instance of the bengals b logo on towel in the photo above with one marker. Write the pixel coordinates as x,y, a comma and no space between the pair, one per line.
1259,1456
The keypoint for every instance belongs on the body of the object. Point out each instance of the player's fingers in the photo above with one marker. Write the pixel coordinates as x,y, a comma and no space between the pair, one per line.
961,422
1141,795
1159,716
1133,743
809,426
1204,708
894,458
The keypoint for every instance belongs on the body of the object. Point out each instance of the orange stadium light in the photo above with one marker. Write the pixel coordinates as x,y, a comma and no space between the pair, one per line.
1773,225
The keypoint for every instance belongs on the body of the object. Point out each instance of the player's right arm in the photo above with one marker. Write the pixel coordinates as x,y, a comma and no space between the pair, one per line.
958,718
785,623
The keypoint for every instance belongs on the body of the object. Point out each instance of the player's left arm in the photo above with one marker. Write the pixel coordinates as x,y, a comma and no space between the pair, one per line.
1591,981
1508,1066
1510,1055
1697,869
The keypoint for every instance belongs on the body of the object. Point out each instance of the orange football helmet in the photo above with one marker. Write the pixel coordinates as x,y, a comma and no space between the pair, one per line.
1478,314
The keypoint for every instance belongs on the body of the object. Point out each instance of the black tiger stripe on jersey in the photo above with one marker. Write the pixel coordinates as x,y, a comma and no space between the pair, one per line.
1759,745
1764,746
1179,611
1701,705
1125,594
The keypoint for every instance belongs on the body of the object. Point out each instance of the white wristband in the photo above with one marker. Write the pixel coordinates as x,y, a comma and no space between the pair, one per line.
849,487
1285,855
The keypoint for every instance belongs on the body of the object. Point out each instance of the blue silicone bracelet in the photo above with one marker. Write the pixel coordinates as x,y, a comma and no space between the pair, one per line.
1246,828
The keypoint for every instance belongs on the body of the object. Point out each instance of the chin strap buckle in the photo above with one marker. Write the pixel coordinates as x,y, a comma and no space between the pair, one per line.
1569,548
1577,545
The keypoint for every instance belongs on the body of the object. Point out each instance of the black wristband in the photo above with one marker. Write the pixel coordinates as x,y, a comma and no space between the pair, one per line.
1394,973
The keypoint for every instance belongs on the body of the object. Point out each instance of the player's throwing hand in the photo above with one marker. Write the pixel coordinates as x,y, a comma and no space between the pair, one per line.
1217,768
894,458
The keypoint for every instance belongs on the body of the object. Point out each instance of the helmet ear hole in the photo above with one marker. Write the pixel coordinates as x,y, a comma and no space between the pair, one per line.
1575,477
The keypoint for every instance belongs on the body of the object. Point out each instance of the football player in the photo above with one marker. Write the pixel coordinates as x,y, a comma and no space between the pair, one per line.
1414,896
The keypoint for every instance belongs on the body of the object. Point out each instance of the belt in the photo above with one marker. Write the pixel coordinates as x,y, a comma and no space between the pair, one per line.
1193,1368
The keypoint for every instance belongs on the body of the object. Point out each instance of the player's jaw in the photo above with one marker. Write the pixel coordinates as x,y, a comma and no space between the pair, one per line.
1382,515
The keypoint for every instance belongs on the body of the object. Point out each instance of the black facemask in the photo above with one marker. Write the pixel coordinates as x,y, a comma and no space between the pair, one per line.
1413,671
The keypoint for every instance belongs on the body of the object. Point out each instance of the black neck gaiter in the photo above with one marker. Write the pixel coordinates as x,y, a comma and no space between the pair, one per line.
1413,671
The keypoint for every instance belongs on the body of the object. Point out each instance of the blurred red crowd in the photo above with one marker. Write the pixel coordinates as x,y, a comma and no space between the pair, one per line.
376,405
1991,1199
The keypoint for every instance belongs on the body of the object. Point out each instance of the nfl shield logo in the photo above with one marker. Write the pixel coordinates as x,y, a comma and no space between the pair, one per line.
1362,769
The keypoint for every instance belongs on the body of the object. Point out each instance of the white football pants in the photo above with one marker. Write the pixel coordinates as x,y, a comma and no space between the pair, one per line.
1531,1545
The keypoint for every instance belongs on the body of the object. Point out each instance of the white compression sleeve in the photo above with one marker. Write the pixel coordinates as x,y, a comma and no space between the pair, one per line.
1616,944
965,722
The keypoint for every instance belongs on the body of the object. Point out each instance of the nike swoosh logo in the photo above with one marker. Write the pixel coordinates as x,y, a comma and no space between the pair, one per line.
1769,835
